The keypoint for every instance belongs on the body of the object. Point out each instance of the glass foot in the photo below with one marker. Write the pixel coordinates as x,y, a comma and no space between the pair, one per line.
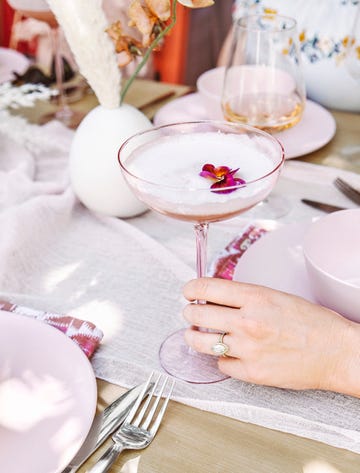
69,118
182,362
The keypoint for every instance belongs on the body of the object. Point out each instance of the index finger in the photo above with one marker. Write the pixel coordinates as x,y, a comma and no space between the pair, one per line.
219,291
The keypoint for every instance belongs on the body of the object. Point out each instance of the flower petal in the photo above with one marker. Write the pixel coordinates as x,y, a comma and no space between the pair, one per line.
208,175
160,8
208,171
227,181
222,171
196,3
224,177
208,167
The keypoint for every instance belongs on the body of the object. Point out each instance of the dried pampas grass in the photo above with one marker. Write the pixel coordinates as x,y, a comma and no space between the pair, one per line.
84,24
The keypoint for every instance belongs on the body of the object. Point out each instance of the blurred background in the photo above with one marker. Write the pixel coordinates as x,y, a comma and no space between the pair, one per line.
192,47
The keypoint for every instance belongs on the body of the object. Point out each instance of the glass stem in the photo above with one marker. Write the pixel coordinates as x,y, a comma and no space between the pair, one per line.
64,111
201,232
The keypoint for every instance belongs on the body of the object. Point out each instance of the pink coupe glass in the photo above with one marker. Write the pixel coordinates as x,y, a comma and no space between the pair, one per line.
164,166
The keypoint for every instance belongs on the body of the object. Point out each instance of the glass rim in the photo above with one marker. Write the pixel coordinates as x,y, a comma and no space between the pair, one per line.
205,122
292,23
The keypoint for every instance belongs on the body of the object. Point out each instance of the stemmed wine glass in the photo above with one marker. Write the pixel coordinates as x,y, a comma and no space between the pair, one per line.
263,84
39,10
200,172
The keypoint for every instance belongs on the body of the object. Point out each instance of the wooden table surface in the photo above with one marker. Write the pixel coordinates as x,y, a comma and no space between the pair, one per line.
343,151
195,441
191,440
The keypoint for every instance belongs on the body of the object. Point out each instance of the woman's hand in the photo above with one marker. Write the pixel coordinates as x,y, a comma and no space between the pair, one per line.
274,338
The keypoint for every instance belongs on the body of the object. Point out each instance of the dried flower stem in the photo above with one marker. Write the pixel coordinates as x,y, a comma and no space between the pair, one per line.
149,51
84,24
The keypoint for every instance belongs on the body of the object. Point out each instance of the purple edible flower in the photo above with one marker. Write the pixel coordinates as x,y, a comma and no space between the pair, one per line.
223,177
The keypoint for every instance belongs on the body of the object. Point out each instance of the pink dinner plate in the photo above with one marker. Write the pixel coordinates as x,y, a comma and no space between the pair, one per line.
10,61
47,396
316,128
276,260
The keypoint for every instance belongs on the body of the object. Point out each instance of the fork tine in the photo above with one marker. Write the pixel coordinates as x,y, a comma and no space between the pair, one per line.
159,417
350,192
139,417
340,186
130,436
138,401
154,406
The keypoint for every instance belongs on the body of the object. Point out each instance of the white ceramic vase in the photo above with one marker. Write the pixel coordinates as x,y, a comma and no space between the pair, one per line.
95,173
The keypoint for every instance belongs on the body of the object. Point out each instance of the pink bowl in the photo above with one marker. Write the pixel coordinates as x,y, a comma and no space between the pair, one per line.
209,86
332,256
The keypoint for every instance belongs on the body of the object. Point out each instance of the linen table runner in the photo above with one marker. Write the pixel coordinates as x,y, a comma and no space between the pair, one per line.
126,277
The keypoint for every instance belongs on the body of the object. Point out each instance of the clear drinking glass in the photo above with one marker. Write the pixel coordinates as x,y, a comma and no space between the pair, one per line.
163,165
264,85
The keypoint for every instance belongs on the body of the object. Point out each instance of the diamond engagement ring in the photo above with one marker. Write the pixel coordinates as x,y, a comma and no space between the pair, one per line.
220,348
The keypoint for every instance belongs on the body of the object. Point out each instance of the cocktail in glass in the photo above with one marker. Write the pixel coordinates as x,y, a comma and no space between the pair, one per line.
200,172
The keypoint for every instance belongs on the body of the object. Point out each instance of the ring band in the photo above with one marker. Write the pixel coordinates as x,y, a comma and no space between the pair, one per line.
220,348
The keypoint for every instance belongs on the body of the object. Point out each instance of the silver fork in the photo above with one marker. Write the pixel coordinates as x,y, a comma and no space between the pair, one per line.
136,433
349,191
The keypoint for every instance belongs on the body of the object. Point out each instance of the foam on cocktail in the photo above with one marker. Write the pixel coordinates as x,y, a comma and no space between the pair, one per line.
169,171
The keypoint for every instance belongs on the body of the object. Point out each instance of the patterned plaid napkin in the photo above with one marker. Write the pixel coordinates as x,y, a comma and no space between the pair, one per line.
224,264
84,333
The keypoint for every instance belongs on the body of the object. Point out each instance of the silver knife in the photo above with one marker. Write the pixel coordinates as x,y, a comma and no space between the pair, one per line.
322,206
104,424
